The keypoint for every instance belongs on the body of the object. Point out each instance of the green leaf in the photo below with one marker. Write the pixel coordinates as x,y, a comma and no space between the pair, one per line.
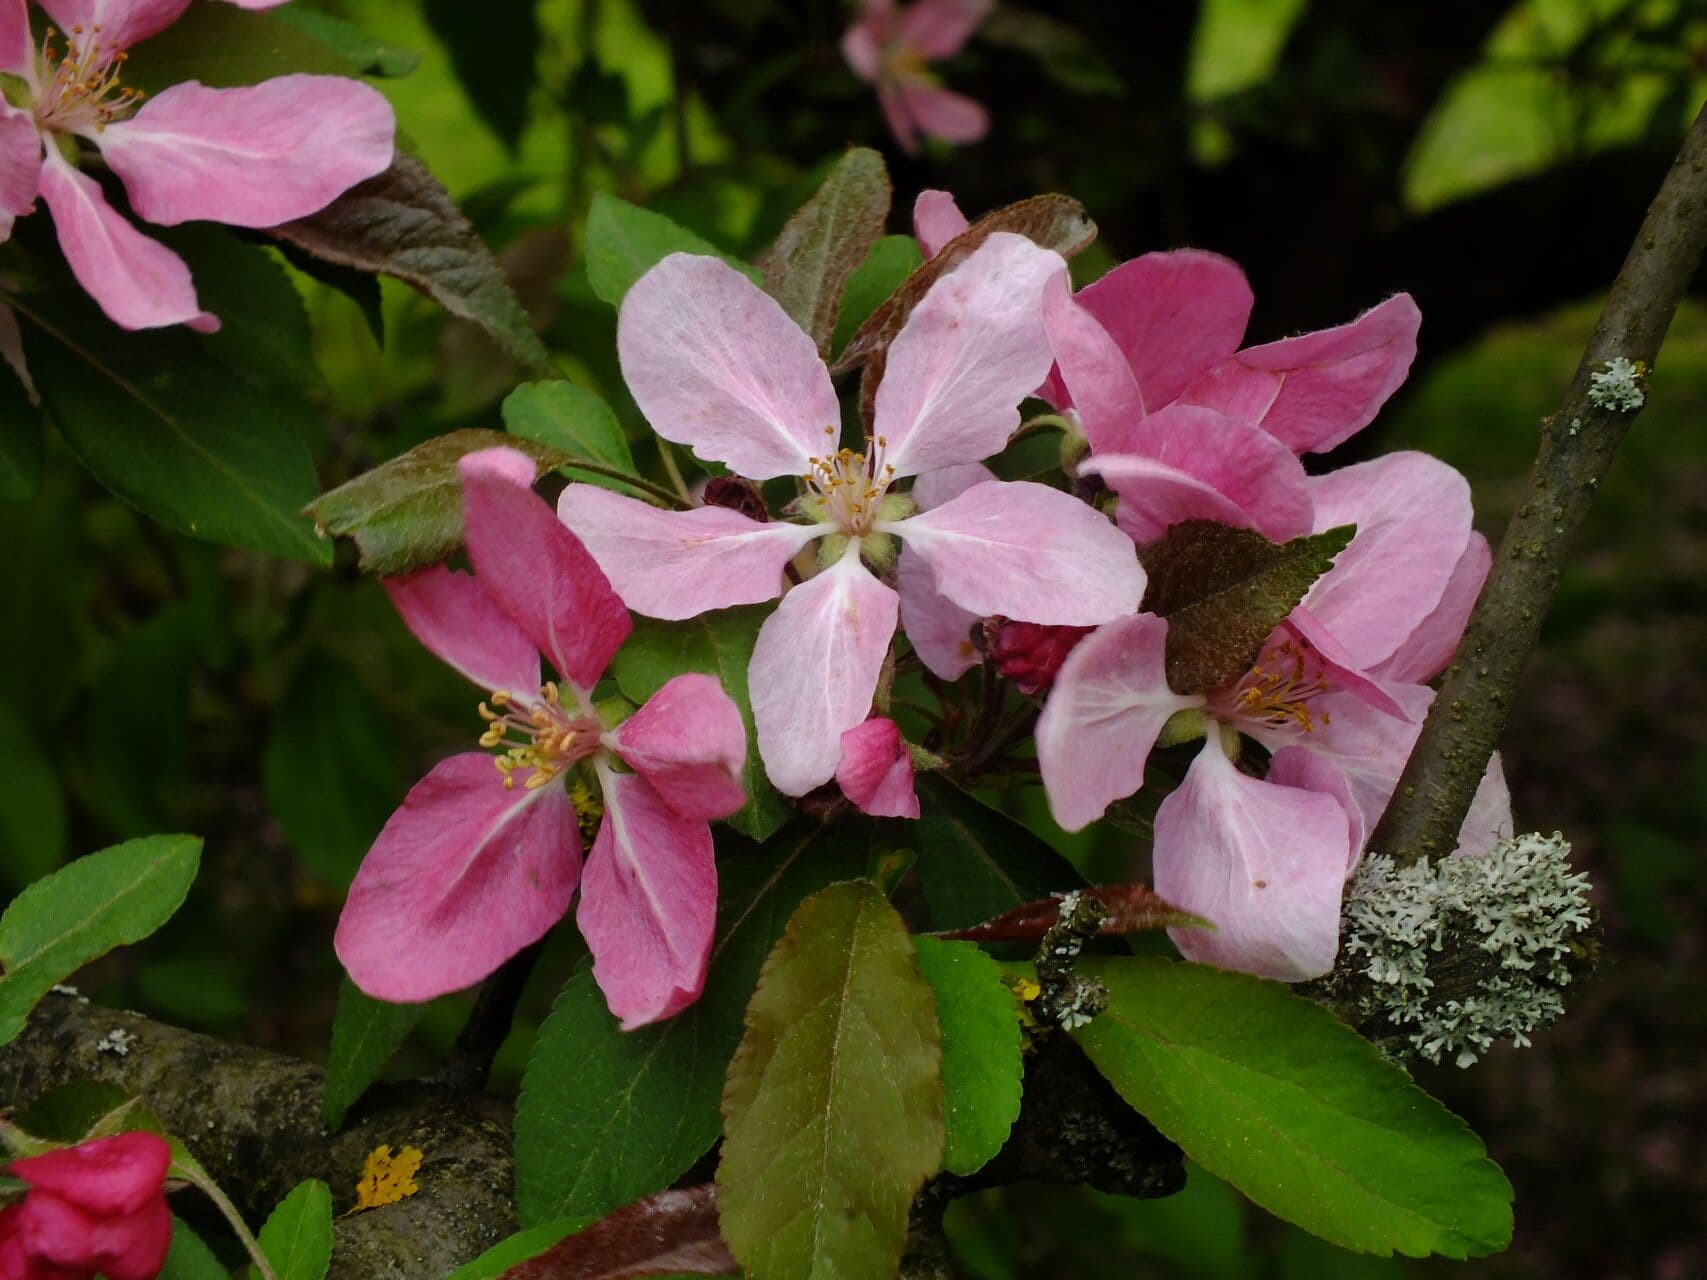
406,514
189,1258
1272,1093
225,47
833,1112
297,1237
1237,44
32,805
1224,590
885,269
263,327
624,242
975,863
497,74
518,1248
20,435
403,223
720,644
365,1034
330,768
1067,55
607,1116
830,235
366,55
575,421
981,1064
180,437
84,910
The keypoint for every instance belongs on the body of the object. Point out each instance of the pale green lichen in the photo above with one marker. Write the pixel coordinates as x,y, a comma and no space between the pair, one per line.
1617,386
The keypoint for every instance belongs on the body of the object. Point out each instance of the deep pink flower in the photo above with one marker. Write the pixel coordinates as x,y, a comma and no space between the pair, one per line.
248,157
96,1208
715,363
472,868
876,771
1337,697
891,47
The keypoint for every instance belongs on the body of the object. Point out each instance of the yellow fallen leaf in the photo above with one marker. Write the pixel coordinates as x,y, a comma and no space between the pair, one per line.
386,1178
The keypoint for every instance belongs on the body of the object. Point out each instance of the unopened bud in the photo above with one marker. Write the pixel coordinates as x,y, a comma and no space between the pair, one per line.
1027,653
738,494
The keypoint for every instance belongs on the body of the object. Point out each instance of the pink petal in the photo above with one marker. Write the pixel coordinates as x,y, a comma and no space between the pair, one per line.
814,670
936,220
1318,389
447,611
936,487
1266,864
649,903
1324,653
1172,315
1428,649
689,743
1098,381
464,875
133,1247
535,570
1412,514
1312,771
250,157
876,771
898,115
1188,463
1026,551
716,364
17,49
20,163
107,1176
1109,701
139,283
122,23
1489,820
676,564
937,28
939,630
862,46
968,354
942,113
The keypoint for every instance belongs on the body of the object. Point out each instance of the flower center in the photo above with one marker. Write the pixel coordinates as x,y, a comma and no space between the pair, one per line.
849,485
542,738
81,88
1278,688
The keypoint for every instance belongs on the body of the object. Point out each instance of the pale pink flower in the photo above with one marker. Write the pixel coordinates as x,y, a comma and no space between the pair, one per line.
715,363
892,46
472,868
248,157
876,771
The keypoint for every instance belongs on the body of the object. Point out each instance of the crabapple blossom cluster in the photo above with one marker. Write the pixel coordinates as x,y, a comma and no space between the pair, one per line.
94,1209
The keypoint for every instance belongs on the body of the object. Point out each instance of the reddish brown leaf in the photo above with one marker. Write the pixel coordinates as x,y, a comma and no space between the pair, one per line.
1132,908
671,1233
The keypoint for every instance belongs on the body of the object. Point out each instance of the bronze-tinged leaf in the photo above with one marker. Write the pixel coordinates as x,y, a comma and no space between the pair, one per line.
406,514
828,236
1223,590
671,1233
403,223
1132,908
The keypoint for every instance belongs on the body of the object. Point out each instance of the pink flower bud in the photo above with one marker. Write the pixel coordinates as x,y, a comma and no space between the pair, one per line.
98,1207
1028,653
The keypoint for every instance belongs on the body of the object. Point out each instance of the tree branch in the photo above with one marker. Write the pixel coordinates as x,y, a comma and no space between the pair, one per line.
1577,446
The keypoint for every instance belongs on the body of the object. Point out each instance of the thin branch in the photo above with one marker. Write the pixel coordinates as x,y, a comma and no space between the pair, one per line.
1577,446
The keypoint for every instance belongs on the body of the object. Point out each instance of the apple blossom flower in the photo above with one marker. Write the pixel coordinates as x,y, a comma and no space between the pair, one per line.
716,364
249,157
891,47
98,1208
478,867
1336,697
876,771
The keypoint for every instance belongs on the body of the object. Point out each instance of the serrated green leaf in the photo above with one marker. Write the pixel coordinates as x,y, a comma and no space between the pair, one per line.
365,1034
190,1259
575,421
84,910
828,236
264,333
975,863
833,1111
607,1116
297,1236
718,644
1272,1093
32,805
1237,44
981,1040
20,434
406,514
518,1248
624,242
224,47
885,269
366,55
1224,590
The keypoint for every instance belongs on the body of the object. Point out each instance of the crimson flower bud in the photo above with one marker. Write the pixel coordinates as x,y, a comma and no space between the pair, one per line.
96,1208
1028,653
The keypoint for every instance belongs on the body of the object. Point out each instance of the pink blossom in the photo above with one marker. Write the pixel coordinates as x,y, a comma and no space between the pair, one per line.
876,771
249,157
892,46
716,364
96,1208
1336,697
472,867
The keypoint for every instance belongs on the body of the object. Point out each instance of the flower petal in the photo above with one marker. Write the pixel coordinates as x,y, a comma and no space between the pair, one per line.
106,1177
535,570
1099,382
876,771
862,46
1339,670
943,113
1412,514
936,487
133,1247
939,630
1265,864
464,875
138,282
447,611
1489,820
17,48
716,364
676,564
936,29
689,743
20,162
898,115
936,220
250,157
814,670
1026,551
649,903
1109,701
1312,771
971,350
1318,389
122,23
1428,649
